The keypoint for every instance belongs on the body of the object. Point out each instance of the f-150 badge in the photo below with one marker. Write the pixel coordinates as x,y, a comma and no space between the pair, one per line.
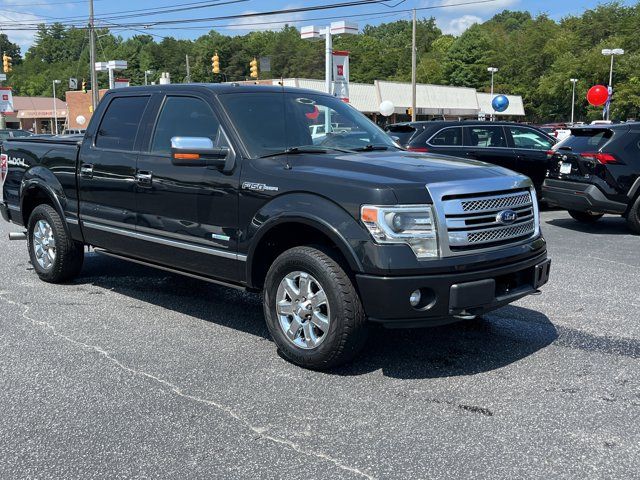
260,187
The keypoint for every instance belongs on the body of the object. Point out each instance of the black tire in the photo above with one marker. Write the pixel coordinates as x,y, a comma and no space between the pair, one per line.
633,217
585,217
69,254
347,331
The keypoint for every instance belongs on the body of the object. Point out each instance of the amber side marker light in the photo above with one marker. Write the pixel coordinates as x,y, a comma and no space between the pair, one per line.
187,156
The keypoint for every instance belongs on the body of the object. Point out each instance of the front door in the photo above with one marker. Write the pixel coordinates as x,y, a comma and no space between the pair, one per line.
488,143
106,175
188,215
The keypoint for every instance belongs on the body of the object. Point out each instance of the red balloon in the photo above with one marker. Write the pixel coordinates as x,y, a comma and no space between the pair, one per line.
597,95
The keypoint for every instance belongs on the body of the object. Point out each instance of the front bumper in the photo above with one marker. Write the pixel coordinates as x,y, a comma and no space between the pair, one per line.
450,297
583,197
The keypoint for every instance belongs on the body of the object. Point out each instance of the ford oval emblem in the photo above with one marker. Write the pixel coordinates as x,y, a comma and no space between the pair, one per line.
506,217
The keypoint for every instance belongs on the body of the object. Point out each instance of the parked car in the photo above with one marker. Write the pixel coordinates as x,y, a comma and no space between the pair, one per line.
7,133
224,183
73,131
521,148
596,170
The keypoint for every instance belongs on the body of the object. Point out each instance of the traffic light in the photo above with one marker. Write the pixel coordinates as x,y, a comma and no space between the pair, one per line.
409,111
254,68
215,63
6,63
84,86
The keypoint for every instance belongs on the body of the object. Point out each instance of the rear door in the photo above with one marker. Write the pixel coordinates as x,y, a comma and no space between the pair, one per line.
447,141
488,143
187,215
106,174
531,149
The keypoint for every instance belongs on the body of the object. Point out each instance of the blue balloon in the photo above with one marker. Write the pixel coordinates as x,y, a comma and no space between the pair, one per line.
500,103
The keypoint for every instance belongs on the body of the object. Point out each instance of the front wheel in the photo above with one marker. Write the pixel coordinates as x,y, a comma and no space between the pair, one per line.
585,217
312,309
55,256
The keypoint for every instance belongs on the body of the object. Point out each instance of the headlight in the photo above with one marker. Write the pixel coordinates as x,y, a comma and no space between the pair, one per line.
413,225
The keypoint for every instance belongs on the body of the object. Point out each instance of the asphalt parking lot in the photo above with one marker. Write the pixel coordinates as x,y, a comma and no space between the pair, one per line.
132,372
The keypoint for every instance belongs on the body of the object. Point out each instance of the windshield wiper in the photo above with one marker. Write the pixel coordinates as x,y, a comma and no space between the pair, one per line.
300,150
371,147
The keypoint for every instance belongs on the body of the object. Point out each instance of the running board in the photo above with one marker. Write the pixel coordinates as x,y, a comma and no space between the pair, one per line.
168,269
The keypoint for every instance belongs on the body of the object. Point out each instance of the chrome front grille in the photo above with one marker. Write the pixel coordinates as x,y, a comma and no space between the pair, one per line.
473,222
504,201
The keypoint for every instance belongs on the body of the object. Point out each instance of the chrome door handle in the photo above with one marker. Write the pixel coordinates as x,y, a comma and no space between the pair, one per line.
86,171
144,178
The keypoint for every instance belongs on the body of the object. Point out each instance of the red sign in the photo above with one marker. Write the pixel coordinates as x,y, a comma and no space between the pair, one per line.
5,97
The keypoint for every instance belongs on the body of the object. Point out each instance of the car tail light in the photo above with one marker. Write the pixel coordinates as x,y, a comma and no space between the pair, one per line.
418,149
600,157
550,153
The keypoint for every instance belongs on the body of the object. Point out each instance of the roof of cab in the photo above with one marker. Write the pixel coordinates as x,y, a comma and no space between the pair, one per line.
217,88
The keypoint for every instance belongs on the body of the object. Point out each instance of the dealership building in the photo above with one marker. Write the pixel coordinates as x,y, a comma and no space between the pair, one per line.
432,101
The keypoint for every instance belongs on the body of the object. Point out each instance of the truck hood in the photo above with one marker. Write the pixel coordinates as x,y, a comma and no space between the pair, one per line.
406,173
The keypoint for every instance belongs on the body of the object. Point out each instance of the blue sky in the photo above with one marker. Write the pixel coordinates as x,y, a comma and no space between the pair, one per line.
452,19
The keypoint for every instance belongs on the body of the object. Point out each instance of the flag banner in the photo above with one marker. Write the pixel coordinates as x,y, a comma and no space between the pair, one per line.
341,75
6,100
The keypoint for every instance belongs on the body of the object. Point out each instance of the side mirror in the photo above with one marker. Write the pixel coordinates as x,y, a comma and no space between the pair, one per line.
198,152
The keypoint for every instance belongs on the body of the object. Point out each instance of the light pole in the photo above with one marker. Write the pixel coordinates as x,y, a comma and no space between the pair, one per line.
146,74
573,97
312,32
492,70
611,52
55,108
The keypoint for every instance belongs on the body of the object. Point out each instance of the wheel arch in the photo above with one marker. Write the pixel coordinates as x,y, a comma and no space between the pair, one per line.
40,186
314,220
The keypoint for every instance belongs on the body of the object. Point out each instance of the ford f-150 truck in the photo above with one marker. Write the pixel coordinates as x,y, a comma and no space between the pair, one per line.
225,183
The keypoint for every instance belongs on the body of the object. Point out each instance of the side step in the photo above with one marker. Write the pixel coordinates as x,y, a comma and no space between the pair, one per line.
168,269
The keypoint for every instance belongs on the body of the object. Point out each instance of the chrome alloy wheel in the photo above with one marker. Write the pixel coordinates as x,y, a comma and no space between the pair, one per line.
44,244
303,310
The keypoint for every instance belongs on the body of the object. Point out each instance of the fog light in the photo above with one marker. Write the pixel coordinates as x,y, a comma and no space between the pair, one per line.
414,298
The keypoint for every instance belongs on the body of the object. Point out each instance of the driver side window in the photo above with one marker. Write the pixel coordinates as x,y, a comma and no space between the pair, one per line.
184,117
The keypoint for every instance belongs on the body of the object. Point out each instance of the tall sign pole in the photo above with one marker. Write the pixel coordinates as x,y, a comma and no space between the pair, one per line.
92,60
413,68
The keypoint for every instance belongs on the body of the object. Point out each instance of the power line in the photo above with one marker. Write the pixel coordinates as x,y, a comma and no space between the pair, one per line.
153,25
352,3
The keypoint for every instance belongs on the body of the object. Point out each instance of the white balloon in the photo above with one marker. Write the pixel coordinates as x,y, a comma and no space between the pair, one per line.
387,108
81,120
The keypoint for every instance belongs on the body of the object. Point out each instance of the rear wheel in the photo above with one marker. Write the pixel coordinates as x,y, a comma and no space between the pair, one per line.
585,217
312,309
633,217
55,256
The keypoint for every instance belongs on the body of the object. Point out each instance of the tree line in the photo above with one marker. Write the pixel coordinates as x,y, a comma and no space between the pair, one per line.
536,57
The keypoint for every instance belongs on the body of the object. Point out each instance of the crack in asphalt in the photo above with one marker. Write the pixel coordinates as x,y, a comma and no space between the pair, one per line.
260,431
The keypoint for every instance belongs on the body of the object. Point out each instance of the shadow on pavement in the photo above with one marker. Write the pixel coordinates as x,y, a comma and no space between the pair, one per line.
503,337
607,225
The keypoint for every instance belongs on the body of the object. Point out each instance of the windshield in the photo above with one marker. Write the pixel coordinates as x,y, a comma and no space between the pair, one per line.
269,123
585,139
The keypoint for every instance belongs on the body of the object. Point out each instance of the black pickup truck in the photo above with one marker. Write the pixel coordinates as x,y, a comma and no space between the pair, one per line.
229,184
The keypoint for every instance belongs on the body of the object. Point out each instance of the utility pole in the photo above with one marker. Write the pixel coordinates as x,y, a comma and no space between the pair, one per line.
492,70
188,77
413,68
92,60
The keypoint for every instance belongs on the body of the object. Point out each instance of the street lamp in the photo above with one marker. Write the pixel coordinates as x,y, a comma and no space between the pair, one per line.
492,70
55,108
573,97
611,52
146,73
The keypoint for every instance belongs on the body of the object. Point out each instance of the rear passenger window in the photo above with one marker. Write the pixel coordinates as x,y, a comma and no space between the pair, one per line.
120,123
184,117
490,136
448,137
